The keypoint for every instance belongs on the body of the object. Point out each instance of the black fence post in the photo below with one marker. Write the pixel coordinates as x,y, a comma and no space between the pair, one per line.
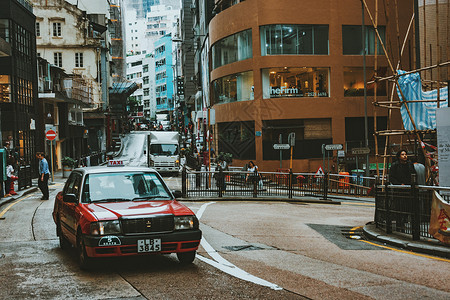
255,183
387,206
183,182
377,204
220,182
325,186
198,177
415,209
291,186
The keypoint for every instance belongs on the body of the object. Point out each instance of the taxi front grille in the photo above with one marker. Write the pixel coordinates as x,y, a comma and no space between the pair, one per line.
148,225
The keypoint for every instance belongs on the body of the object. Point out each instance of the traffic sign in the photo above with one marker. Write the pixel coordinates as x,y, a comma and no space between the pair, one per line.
50,135
319,172
331,147
358,151
281,146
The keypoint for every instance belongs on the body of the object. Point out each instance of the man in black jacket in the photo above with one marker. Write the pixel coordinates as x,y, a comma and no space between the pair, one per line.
401,170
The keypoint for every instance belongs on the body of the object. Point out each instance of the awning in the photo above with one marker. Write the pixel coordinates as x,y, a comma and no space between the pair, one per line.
123,88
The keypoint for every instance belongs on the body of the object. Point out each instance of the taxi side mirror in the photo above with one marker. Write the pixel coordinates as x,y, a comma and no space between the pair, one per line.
70,198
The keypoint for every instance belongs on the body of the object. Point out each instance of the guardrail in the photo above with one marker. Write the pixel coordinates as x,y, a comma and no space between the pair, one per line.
273,184
405,208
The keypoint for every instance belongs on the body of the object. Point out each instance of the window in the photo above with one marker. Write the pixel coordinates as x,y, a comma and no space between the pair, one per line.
237,138
234,48
57,59
79,60
236,87
4,29
294,39
136,63
145,80
310,134
38,29
352,39
145,68
56,29
354,82
355,132
5,88
146,92
295,82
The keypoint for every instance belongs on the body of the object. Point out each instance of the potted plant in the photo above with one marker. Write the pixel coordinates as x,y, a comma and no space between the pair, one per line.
68,164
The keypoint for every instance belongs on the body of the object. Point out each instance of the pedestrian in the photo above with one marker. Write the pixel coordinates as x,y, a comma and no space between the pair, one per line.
252,174
9,174
401,170
44,175
400,174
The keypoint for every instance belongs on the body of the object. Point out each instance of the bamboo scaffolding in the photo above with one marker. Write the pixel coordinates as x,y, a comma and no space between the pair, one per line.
403,102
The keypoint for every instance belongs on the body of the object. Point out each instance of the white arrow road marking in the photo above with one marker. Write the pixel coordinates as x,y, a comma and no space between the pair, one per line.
224,265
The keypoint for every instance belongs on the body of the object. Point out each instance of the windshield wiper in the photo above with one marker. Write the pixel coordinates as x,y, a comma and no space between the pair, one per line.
111,200
149,197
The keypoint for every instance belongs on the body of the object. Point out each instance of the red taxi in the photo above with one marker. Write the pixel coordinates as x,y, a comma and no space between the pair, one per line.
121,211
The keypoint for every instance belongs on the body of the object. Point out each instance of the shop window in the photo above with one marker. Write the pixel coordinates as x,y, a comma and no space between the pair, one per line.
232,88
354,82
5,88
355,132
295,82
352,39
237,138
310,134
233,48
4,29
285,39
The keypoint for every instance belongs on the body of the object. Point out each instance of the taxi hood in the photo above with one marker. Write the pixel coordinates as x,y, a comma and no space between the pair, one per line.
116,210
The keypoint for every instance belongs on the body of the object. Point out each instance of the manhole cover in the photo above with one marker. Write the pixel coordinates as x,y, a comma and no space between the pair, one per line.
243,247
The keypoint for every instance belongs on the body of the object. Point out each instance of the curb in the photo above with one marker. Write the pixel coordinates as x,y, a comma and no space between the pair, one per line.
251,199
430,247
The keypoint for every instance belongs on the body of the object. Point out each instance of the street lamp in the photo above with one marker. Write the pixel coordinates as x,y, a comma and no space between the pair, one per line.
366,133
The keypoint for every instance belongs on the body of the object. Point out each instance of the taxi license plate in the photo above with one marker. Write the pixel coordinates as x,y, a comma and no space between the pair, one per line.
150,245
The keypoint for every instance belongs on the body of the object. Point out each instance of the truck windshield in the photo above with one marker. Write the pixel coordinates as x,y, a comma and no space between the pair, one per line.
164,149
123,186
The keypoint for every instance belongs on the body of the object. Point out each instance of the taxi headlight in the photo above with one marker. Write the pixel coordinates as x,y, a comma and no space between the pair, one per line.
186,222
105,227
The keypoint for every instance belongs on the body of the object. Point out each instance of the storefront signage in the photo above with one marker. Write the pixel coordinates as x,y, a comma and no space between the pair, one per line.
293,92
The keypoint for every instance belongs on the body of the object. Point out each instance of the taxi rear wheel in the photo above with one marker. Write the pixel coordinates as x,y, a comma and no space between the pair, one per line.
63,242
186,257
83,259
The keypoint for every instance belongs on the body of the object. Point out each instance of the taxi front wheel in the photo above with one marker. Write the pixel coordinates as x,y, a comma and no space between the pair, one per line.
186,257
83,259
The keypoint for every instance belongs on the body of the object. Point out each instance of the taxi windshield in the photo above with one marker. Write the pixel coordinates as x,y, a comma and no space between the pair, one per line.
164,149
124,186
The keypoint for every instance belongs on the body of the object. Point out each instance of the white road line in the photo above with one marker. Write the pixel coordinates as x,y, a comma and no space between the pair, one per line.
224,265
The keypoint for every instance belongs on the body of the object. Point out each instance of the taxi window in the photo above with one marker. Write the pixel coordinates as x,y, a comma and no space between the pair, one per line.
126,186
73,184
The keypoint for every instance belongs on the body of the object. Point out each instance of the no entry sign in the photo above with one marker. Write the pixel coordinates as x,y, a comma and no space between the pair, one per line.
50,135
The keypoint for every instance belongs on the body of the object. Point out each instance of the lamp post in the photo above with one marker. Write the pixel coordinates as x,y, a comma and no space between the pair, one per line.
366,133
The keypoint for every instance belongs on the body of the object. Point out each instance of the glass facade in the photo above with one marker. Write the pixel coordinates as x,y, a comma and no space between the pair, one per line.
310,134
352,39
295,82
232,88
294,39
354,82
232,48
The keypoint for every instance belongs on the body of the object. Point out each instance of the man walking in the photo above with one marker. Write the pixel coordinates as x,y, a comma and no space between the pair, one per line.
44,174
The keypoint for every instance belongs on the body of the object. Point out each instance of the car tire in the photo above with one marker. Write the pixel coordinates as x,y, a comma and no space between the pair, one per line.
83,259
64,243
186,258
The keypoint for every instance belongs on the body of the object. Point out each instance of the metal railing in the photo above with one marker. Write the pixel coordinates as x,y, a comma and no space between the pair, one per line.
273,184
405,208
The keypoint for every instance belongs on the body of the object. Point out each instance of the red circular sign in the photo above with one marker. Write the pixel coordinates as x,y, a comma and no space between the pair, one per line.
50,135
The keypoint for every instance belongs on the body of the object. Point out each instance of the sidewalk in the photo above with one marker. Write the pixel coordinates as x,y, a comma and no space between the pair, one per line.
58,177
429,246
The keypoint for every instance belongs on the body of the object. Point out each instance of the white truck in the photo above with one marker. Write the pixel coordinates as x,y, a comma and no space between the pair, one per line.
164,151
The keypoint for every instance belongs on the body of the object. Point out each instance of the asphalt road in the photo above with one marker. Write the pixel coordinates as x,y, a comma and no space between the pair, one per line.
249,250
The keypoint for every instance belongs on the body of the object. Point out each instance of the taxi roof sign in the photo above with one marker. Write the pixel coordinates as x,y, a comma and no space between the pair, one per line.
115,163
